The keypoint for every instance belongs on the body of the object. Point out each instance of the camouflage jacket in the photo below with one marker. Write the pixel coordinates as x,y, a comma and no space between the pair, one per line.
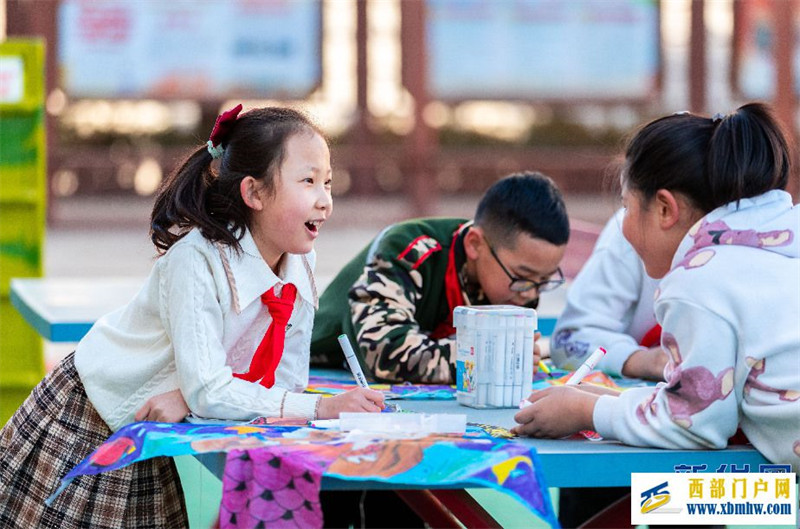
391,300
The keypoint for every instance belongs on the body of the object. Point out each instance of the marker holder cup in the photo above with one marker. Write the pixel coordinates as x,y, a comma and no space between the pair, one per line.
494,355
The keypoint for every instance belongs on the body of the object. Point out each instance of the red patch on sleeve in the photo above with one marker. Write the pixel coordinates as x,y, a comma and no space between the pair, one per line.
418,250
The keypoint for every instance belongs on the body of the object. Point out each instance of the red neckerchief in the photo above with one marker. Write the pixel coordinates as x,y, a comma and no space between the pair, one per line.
269,352
452,291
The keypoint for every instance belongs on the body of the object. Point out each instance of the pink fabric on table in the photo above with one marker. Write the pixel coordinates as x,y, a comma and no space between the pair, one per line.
264,485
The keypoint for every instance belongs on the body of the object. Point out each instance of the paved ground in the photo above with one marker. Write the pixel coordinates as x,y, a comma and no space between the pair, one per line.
107,236
102,236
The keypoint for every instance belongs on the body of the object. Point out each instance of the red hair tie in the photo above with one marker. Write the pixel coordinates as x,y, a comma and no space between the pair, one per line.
222,128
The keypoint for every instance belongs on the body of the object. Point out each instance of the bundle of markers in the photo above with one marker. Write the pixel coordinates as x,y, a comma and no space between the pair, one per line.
494,358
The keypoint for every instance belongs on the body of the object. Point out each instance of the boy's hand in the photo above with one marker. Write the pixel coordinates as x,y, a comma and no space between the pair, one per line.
355,400
556,412
646,363
166,407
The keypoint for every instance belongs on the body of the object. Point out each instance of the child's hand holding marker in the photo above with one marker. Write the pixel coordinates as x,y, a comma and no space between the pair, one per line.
356,400
360,399
577,376
561,410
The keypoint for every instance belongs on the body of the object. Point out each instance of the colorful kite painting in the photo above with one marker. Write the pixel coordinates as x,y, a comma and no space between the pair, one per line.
333,385
273,473
559,377
274,468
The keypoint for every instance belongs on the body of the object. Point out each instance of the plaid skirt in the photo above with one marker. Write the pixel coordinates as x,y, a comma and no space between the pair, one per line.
54,430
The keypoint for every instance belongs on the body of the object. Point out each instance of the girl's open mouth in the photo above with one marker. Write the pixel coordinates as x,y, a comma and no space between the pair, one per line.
313,226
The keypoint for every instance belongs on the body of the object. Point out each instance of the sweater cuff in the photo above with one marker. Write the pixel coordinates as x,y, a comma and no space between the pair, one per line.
616,357
603,416
300,405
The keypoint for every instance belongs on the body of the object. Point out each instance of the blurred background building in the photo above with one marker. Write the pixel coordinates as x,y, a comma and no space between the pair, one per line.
421,99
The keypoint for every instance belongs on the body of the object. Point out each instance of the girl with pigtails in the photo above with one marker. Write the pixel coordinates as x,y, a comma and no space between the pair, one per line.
220,328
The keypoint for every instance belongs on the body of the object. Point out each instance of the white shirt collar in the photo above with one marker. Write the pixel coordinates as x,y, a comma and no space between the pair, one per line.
252,276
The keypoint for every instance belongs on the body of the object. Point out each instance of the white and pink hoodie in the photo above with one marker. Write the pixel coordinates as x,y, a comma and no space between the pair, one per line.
730,313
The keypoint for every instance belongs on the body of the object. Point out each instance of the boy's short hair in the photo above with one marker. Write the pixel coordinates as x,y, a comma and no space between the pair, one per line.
527,202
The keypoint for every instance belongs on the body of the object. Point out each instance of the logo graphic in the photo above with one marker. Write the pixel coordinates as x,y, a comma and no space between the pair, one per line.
699,498
654,498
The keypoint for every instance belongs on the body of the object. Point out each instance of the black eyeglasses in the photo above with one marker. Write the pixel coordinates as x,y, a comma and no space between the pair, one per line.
519,284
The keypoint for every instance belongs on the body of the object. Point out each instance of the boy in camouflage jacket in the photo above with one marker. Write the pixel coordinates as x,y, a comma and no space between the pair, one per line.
395,299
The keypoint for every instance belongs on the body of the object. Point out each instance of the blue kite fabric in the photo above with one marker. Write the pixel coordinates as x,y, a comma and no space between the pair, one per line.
273,473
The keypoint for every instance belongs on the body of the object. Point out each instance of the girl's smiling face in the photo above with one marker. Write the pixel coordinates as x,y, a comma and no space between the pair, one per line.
289,220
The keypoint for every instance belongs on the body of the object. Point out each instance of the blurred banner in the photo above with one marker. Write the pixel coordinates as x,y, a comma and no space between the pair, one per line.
543,49
12,79
23,197
754,40
186,49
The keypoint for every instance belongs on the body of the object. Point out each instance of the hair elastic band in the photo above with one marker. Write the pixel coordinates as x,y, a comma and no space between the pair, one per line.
215,152
717,118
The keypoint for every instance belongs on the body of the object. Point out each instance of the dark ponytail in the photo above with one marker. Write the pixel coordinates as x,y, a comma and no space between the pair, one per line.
748,155
197,196
179,203
711,161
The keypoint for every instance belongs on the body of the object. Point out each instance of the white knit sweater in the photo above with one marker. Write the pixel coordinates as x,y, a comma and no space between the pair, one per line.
197,320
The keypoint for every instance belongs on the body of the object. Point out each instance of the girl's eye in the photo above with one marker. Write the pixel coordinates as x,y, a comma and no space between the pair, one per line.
328,182
309,180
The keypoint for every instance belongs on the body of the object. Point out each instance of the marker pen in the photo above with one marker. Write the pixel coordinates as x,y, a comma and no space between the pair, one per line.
497,337
544,369
527,347
577,376
520,387
586,367
352,361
